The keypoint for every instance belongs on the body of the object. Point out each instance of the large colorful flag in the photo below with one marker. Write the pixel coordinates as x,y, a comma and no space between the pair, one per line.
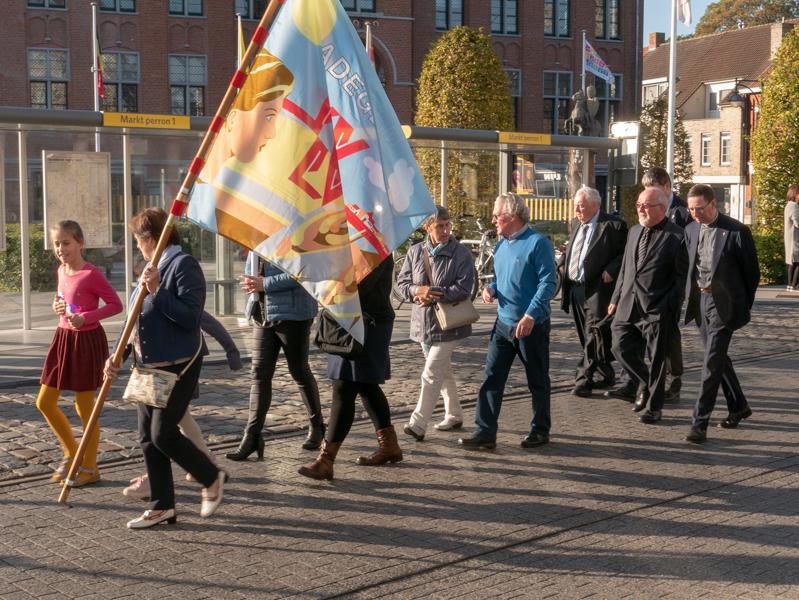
594,63
684,11
311,169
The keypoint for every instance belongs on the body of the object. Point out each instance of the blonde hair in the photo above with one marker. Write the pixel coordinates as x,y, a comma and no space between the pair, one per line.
269,79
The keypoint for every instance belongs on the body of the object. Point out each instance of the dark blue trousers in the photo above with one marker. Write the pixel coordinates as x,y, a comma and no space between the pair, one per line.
716,367
503,348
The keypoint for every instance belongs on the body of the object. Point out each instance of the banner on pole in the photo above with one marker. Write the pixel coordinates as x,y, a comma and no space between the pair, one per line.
594,64
311,169
684,12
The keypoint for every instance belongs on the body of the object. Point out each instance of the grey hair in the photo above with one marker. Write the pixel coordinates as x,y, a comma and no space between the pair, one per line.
590,194
662,198
655,176
441,214
513,205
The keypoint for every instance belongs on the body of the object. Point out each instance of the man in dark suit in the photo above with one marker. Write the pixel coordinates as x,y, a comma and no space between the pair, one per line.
591,265
678,214
723,274
648,293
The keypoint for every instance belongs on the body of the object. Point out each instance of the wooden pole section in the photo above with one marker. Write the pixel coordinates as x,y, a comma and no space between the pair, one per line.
178,209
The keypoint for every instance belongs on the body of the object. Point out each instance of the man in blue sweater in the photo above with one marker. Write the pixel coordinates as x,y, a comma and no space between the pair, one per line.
524,284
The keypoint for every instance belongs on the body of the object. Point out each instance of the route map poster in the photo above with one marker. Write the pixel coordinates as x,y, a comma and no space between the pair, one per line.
77,186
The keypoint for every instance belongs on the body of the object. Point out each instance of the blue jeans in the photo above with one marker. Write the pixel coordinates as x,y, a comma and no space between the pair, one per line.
503,348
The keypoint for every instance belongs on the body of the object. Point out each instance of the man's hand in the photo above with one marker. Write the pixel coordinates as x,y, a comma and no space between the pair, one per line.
525,326
426,295
606,277
611,309
488,295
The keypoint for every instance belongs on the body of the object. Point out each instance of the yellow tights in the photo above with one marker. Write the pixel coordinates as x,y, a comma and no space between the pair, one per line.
47,403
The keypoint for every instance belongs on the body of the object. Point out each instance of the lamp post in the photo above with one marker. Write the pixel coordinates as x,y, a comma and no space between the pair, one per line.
749,103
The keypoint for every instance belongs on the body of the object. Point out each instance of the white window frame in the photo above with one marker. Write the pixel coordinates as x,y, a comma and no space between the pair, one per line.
250,14
454,18
704,149
718,91
504,17
185,10
725,148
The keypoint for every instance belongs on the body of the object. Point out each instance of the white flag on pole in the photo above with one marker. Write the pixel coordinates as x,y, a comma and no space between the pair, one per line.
684,11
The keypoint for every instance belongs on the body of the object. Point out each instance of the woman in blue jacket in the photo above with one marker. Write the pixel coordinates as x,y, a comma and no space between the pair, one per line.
282,313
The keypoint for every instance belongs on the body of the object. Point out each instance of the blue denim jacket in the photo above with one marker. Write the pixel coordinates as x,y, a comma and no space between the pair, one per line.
284,298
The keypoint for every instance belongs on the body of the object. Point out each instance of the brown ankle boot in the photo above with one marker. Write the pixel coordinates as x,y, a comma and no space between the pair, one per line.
389,450
322,467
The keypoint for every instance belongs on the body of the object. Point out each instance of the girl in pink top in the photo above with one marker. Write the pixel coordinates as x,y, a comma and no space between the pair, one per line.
79,348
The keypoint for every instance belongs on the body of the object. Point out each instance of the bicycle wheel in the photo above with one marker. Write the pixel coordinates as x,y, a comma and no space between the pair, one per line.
396,295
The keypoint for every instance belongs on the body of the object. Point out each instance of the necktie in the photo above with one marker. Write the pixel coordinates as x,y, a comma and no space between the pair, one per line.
643,244
577,250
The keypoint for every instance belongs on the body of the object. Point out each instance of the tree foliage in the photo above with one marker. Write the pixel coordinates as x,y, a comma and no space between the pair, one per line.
654,134
463,85
731,14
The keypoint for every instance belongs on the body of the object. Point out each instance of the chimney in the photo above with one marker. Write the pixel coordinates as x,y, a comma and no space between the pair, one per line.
778,32
656,38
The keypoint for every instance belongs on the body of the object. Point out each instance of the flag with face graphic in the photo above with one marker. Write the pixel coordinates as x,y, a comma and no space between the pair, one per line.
311,169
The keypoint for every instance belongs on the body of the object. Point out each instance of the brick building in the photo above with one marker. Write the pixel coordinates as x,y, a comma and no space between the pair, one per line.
176,56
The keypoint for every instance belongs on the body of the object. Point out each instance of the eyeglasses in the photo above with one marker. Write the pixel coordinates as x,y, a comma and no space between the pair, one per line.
640,205
499,217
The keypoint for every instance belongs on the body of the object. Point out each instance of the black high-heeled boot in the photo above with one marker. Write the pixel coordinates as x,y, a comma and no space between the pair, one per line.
316,433
248,445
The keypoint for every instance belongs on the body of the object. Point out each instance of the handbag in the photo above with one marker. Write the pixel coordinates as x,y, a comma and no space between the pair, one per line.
332,338
451,315
153,386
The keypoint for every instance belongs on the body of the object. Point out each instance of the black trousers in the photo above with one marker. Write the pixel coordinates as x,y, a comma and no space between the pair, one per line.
161,441
342,413
793,274
632,340
674,361
293,338
584,319
716,365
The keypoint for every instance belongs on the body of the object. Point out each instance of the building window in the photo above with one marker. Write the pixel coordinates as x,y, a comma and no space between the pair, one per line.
188,8
251,9
609,96
725,148
359,5
515,85
607,19
557,95
449,14
47,3
712,103
654,91
118,5
188,77
556,18
121,81
705,149
48,72
504,16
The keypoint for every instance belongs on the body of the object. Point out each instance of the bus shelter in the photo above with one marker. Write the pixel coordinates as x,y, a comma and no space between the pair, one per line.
50,161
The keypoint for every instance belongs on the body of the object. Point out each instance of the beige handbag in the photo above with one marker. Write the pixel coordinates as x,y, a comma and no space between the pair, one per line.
451,315
153,386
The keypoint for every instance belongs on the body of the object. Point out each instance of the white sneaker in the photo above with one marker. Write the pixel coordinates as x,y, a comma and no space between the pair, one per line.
211,502
151,518
448,424
139,488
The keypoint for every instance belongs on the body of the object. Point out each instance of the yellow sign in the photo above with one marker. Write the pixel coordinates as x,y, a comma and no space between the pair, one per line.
514,137
111,119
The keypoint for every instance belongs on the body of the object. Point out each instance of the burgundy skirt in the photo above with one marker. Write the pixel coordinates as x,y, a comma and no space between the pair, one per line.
75,360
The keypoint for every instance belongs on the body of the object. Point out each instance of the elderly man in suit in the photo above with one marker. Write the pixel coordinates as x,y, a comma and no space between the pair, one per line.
591,265
723,274
647,296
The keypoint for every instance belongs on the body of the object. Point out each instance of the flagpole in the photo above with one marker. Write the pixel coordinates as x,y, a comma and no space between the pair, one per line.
582,75
369,48
672,91
95,74
179,206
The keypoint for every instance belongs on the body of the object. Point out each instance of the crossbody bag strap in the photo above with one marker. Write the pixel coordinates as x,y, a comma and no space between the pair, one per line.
193,358
427,267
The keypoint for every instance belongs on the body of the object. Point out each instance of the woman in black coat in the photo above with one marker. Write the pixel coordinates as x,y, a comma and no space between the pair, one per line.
363,376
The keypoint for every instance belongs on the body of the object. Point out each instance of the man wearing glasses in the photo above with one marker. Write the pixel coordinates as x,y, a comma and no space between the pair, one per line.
524,266
723,274
647,298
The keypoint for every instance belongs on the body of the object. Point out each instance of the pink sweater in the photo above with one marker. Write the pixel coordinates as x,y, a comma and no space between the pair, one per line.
82,292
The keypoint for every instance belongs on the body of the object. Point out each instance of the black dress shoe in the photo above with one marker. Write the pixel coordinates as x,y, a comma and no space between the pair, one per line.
697,435
731,422
583,391
641,402
535,439
626,392
477,443
651,417
671,397
675,386
607,382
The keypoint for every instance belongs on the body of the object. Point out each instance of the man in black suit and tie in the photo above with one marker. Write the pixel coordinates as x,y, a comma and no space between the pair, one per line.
591,265
647,296
678,214
723,274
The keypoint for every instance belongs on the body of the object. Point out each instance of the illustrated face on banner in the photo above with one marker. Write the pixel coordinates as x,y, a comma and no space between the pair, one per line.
249,130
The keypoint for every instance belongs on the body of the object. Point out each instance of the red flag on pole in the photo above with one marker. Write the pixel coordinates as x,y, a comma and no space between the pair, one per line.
99,67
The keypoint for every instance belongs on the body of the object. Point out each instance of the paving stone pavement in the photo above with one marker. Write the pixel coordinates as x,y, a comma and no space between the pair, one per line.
611,508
